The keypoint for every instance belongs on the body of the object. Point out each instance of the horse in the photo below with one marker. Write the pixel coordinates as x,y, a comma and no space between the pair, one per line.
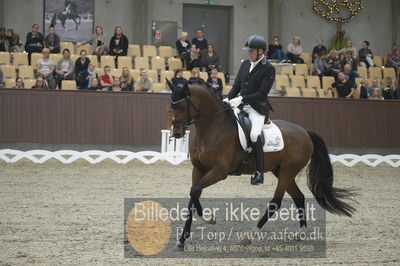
63,17
216,152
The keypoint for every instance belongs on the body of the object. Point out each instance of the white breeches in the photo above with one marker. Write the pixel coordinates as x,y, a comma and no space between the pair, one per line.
257,122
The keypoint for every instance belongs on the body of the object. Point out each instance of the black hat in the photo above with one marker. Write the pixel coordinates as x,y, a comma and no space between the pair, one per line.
255,42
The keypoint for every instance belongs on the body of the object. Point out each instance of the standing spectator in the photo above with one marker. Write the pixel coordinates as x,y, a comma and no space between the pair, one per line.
182,45
52,41
319,48
178,80
388,90
126,80
14,42
210,59
64,68
349,47
364,89
195,78
144,84
334,63
19,84
394,58
81,64
200,42
192,59
3,40
86,77
106,80
215,82
40,83
349,60
365,54
116,85
34,42
94,85
45,68
294,51
119,43
98,42
374,85
344,87
275,50
376,94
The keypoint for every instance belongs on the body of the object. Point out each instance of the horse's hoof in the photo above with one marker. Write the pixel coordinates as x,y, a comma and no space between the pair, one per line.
179,246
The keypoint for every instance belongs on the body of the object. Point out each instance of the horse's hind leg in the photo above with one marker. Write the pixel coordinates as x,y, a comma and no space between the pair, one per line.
299,201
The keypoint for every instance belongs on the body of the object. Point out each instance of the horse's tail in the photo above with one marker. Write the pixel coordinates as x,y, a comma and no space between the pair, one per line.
320,180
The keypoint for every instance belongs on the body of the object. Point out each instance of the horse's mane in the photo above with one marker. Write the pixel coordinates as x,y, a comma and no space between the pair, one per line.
207,87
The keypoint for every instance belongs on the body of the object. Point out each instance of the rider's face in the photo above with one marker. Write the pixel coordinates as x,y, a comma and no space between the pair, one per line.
253,55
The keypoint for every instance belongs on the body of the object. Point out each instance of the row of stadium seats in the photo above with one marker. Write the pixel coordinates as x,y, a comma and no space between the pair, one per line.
379,61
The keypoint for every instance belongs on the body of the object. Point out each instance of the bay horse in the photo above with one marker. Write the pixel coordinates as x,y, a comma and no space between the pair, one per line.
63,18
216,152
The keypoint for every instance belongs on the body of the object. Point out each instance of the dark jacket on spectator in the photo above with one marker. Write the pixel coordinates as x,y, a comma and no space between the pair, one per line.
53,41
273,48
122,45
190,64
207,60
362,53
200,44
218,81
317,51
179,47
79,66
363,93
34,43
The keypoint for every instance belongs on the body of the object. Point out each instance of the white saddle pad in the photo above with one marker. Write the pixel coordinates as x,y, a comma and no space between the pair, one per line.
272,134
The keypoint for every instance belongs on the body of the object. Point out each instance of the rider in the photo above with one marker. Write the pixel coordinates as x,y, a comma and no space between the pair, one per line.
68,7
254,81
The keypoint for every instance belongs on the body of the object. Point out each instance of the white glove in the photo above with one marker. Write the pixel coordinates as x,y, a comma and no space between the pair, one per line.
226,100
235,102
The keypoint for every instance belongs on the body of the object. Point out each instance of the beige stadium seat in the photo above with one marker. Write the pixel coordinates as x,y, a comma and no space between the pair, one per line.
100,72
166,74
358,81
107,60
165,51
292,92
385,60
87,47
375,72
29,83
116,72
307,58
55,58
313,82
327,82
174,63
74,57
67,45
226,89
135,74
298,82
321,93
134,50
9,83
186,74
334,92
68,85
378,60
26,72
158,87
149,50
204,75
141,63
287,70
34,58
390,72
157,63
302,69
20,59
125,61
4,58
362,70
153,75
281,82
356,93
8,71
93,60
309,93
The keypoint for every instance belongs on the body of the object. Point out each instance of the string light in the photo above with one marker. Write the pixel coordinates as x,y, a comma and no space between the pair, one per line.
328,8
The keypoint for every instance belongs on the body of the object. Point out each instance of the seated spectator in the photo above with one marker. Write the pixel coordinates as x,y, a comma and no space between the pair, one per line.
275,50
34,41
52,41
94,84
374,85
45,68
106,80
376,94
64,68
116,85
364,89
14,42
334,63
178,80
182,45
321,66
192,58
19,83
294,51
350,74
349,59
81,64
397,92
349,48
210,59
394,58
344,87
98,42
200,42
215,82
388,89
144,84
3,40
40,83
126,80
319,48
119,43
366,55
195,78
86,76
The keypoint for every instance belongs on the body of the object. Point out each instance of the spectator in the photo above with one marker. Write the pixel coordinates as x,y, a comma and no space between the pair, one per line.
366,55
19,83
321,66
397,92
126,80
178,80
182,45
344,87
1,78
98,42
200,42
215,82
376,94
86,77
192,58
64,68
374,85
394,58
349,60
195,78
14,42
40,83
319,48
349,47
106,80
81,64
210,59
275,50
144,84
52,41
3,40
34,42
294,51
350,74
119,43
364,89
388,90
94,85
334,63
116,85
45,68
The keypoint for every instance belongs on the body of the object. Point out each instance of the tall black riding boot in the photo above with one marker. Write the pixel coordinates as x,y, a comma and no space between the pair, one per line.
259,162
